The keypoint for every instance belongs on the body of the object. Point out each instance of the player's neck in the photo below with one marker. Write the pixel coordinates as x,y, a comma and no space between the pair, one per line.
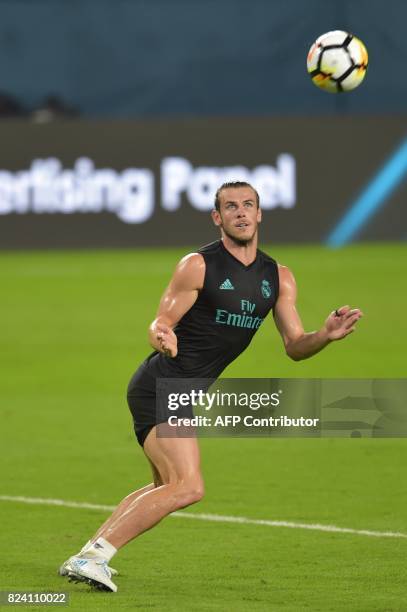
246,253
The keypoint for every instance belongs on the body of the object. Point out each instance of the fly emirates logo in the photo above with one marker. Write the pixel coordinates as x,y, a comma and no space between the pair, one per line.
244,319
131,194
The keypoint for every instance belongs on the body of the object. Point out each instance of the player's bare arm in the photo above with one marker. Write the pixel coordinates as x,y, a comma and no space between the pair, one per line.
299,344
177,299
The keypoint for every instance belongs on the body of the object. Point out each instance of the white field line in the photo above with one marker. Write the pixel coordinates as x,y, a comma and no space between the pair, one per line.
218,518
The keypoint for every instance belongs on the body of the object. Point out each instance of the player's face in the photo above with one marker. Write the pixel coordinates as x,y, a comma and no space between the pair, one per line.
239,214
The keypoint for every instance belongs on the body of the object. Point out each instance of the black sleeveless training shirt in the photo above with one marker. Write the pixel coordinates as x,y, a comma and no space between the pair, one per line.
231,306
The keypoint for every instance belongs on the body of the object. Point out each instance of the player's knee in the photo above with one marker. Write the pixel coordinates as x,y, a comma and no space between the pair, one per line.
190,492
196,493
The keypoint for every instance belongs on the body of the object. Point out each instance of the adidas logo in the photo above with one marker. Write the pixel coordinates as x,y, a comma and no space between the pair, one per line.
226,285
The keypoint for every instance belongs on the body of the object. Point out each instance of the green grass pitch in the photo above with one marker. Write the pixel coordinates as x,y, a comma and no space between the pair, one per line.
74,329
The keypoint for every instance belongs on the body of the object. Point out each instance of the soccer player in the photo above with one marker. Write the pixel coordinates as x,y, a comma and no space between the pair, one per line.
203,323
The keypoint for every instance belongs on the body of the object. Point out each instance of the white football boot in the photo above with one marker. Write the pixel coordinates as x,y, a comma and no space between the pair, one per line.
66,568
93,571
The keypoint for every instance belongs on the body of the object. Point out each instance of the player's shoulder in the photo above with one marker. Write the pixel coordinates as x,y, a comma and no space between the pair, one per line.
286,278
192,261
190,271
196,262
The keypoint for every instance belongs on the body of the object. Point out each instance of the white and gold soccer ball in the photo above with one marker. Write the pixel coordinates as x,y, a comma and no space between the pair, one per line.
337,61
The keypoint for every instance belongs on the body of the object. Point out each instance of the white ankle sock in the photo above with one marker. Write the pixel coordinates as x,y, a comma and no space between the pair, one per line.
101,548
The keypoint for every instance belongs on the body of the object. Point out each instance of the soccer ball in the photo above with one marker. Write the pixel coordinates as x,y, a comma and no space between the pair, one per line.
337,61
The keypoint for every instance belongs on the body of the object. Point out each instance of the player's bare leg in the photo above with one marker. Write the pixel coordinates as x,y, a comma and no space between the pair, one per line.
124,504
176,468
64,569
178,462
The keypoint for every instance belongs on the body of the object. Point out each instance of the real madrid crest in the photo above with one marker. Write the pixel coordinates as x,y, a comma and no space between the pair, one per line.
265,289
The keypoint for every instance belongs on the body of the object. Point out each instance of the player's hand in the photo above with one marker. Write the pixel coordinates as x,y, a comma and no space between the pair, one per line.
342,322
167,340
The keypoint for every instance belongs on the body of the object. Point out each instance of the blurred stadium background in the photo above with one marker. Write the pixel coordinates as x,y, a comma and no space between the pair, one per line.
118,120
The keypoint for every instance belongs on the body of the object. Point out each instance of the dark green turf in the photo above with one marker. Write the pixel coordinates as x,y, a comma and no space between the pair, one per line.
74,328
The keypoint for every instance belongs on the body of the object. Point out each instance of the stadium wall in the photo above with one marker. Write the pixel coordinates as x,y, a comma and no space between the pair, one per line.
108,184
128,58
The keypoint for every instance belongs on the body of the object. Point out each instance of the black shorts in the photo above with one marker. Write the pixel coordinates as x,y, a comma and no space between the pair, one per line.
142,409
145,410
141,398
